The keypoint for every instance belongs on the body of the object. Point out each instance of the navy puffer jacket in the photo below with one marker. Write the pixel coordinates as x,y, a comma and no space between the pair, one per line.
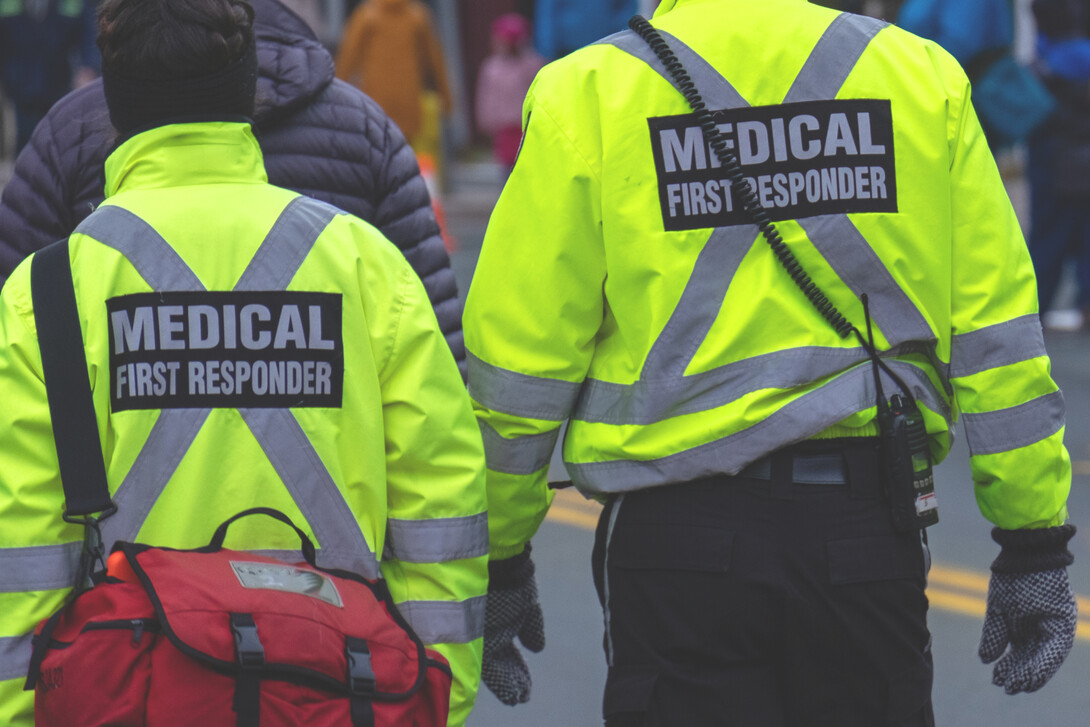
320,137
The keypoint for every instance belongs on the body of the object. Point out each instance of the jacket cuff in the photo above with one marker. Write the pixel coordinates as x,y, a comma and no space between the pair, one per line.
511,572
1027,551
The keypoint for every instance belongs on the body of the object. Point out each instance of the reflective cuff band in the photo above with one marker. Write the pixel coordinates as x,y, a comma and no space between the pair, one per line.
15,656
437,540
520,394
995,346
519,455
1019,426
446,622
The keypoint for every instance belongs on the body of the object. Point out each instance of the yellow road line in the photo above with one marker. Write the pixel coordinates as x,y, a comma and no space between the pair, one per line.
975,605
571,516
950,589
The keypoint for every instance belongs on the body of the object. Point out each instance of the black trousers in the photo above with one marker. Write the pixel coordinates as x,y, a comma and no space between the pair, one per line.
737,601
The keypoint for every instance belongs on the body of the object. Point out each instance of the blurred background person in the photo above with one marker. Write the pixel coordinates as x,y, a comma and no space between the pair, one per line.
504,78
964,28
1058,167
390,50
47,47
561,26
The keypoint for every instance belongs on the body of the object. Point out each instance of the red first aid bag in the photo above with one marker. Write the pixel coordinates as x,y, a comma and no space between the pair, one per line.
215,637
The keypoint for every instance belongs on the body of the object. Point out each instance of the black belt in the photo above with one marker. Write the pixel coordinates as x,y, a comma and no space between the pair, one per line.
819,462
806,469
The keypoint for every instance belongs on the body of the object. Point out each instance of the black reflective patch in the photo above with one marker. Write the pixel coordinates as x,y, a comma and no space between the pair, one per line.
229,350
801,159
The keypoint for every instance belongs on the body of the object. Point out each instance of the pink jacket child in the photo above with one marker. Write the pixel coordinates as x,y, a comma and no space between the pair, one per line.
502,83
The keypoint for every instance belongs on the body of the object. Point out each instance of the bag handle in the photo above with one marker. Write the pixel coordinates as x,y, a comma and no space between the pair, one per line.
306,544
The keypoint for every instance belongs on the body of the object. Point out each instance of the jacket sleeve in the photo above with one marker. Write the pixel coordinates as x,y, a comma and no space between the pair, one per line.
33,540
532,316
436,552
404,214
1011,409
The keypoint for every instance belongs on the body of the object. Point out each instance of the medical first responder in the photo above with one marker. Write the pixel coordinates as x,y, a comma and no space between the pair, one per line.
751,566
246,346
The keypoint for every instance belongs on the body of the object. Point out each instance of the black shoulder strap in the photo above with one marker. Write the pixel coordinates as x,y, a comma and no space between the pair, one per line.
71,407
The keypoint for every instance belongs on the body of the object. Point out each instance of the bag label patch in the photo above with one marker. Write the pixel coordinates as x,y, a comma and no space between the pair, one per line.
801,160
287,578
183,350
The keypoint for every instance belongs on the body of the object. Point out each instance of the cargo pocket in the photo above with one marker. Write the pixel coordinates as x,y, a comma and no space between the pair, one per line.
628,693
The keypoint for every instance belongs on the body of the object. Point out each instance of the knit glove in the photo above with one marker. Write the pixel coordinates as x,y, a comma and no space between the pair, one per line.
1031,608
512,610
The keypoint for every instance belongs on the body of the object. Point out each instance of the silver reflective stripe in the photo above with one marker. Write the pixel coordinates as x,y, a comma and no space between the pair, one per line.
313,489
286,246
39,567
14,656
1000,345
699,305
273,266
166,445
519,394
713,88
1018,426
833,58
647,402
606,615
144,248
519,455
437,540
804,417
445,622
847,251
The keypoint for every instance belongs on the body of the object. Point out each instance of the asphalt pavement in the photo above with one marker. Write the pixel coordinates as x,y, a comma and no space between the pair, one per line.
569,674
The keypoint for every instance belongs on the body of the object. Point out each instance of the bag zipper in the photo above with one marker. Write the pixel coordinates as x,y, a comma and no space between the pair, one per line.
138,626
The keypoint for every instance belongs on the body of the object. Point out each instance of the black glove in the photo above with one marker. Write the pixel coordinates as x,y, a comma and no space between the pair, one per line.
512,610
1031,608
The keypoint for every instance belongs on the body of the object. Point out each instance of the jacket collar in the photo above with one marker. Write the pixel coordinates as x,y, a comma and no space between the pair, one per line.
215,152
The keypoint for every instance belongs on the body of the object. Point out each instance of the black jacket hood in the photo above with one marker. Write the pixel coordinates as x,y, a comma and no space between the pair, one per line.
293,65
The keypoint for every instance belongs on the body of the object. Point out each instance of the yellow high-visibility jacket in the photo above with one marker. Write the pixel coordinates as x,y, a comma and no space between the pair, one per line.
246,346
622,288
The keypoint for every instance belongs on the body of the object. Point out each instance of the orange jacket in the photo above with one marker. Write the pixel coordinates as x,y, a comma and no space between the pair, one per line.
390,50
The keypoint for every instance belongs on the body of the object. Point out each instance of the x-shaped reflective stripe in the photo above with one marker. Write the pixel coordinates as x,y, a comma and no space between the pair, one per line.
835,236
281,438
